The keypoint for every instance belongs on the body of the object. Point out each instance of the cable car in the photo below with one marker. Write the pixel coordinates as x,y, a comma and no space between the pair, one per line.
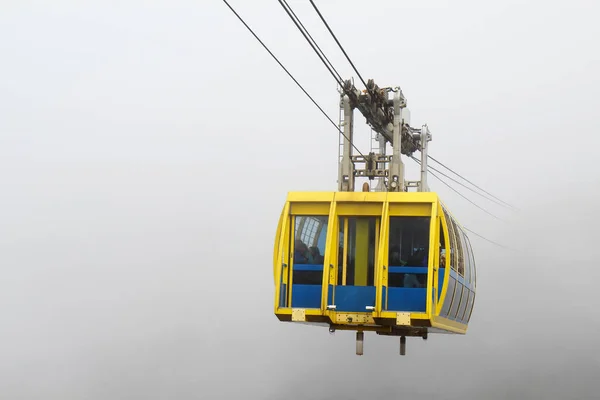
390,261
394,263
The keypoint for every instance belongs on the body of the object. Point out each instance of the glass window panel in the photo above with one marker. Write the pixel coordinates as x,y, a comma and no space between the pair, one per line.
408,247
310,235
357,251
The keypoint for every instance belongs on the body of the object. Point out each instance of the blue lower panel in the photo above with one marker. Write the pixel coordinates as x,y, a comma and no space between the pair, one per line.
407,299
441,273
306,296
308,267
354,298
407,270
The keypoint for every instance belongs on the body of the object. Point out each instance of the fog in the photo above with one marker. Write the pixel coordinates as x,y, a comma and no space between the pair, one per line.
146,150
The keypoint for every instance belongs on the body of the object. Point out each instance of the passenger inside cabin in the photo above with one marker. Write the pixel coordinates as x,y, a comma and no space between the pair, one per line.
301,253
316,256
416,260
395,259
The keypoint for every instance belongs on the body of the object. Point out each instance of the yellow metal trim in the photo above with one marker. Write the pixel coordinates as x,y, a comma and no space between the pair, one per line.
311,197
449,325
298,315
410,210
431,284
447,266
381,262
375,251
344,252
330,257
377,197
277,245
359,209
354,197
449,251
291,258
393,314
309,311
343,318
436,263
412,197
279,258
309,208
403,318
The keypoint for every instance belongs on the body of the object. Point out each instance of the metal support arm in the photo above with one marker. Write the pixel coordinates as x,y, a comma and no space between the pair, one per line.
396,181
346,169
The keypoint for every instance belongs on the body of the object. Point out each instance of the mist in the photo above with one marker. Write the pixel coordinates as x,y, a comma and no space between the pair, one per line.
146,151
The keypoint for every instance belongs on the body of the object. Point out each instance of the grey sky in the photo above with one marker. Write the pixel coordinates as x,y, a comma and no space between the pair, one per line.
146,151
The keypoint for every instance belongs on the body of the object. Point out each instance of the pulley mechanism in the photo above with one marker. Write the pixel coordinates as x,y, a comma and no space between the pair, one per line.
390,120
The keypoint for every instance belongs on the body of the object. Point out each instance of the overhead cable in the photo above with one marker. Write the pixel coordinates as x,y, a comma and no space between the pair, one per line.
486,239
292,77
457,174
466,187
338,43
312,42
459,193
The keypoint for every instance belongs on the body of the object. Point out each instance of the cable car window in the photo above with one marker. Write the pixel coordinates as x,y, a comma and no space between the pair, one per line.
472,260
310,233
457,256
466,258
459,250
449,297
442,262
356,252
453,252
408,247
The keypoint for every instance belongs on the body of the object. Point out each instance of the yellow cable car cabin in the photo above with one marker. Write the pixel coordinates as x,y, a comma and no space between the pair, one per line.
390,261
394,263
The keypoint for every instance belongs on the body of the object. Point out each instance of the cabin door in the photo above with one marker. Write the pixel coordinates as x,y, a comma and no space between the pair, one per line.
353,290
407,264
307,246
